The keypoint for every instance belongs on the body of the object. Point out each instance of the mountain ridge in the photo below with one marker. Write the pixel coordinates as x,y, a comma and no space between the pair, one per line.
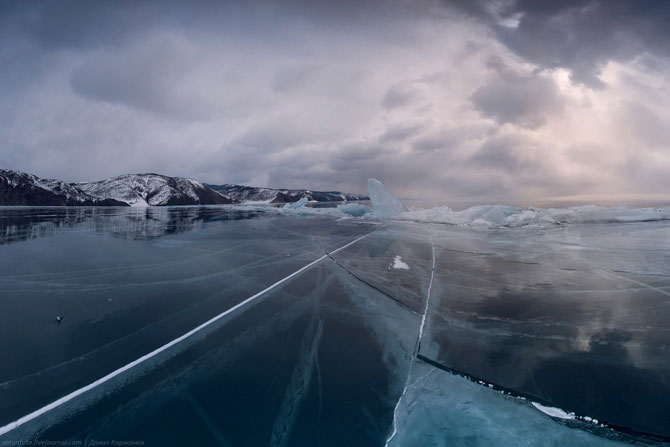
154,190
22,189
148,189
281,195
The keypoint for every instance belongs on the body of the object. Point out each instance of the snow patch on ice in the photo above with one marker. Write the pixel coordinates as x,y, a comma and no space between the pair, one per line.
399,264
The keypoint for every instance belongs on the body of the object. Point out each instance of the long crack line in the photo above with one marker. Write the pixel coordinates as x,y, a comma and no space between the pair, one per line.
416,349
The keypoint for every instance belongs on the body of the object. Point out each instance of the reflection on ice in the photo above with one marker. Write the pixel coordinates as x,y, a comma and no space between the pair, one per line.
23,223
541,312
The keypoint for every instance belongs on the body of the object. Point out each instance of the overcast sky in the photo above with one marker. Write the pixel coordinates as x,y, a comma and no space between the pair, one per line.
452,99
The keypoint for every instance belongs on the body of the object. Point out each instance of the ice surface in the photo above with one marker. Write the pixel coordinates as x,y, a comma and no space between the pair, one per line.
384,204
533,310
538,310
443,409
275,372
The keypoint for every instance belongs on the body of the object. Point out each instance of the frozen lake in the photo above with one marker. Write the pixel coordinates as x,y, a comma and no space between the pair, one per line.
245,327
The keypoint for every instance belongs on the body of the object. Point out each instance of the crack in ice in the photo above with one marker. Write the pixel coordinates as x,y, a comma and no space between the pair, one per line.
372,286
416,350
655,289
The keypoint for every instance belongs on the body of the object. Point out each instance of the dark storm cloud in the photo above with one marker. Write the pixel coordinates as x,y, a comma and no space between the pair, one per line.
147,81
519,163
445,139
400,95
508,154
582,35
83,24
79,24
294,78
400,132
525,100
275,136
324,94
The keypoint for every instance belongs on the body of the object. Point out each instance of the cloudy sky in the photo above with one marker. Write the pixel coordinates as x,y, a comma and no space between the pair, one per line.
509,100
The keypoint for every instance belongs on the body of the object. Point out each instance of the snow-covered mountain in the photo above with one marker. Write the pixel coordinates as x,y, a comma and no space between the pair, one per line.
19,188
254,194
154,190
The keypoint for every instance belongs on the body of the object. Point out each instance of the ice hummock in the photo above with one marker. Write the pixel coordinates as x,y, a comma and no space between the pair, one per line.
511,216
384,203
296,205
486,216
354,209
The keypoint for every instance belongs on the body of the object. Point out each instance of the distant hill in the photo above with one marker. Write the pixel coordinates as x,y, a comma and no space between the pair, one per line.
154,190
270,195
19,188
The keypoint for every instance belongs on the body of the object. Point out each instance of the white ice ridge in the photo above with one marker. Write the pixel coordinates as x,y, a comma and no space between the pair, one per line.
385,205
511,216
399,264
68,397
553,412
416,350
